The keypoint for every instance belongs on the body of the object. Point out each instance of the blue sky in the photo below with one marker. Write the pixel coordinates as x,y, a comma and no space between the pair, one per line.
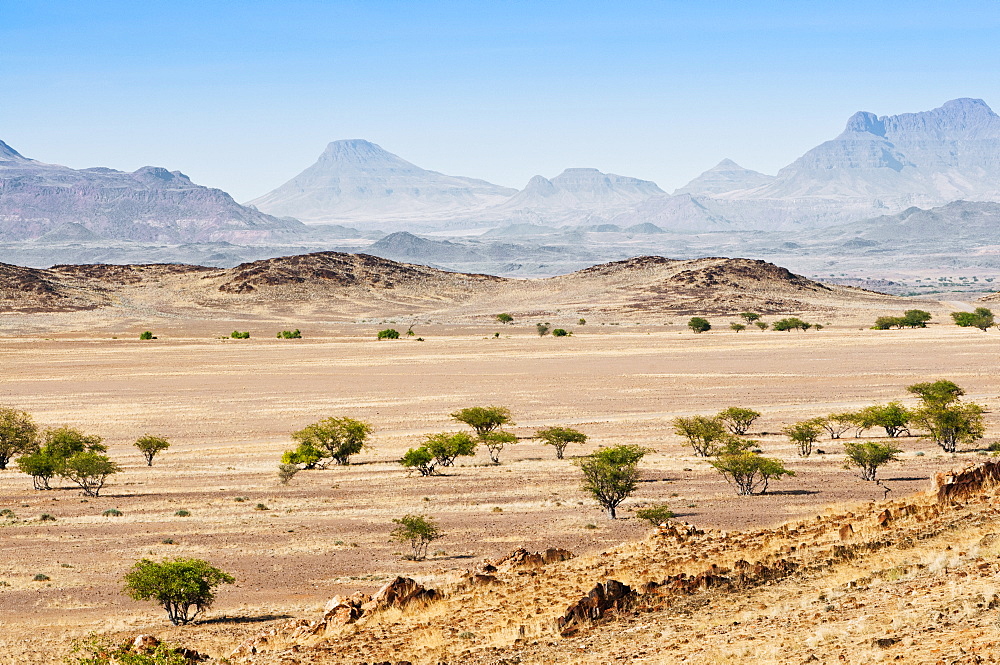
244,95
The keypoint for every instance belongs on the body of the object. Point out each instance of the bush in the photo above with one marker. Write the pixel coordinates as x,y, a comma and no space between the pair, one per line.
41,577
761,324
421,459
484,419
18,435
655,515
892,417
912,318
610,475
112,512
418,530
306,454
286,472
542,329
62,444
749,472
97,650
146,335
89,470
505,318
582,322
337,438
791,323
236,334
178,585
948,420
560,332
182,513
447,446
388,333
150,446
886,322
261,506
698,324
803,434
869,456
738,419
290,334
981,318
45,517
750,317
495,442
737,327
837,423
704,433
8,514
560,437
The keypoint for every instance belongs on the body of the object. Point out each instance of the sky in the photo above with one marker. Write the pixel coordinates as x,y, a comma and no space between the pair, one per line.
244,95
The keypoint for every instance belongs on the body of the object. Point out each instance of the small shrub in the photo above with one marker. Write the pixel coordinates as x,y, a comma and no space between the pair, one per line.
804,435
761,324
240,499
655,515
178,586
290,334
260,506
749,472
497,509
738,419
582,322
41,577
418,530
542,329
466,635
737,327
167,541
236,334
146,335
151,446
791,323
112,512
45,517
183,513
589,526
100,650
560,332
286,472
8,513
505,318
869,456
388,333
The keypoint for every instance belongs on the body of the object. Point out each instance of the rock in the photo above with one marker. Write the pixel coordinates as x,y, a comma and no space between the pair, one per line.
522,558
400,592
603,598
145,642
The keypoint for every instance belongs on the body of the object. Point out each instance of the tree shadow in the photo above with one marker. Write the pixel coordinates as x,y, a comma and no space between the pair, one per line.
903,479
654,480
452,556
790,492
245,619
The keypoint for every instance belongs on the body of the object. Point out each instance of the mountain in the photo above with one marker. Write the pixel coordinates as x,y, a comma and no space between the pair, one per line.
726,176
52,202
575,196
877,165
966,224
358,181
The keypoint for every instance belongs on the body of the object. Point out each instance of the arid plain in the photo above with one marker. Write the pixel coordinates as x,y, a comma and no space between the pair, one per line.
228,407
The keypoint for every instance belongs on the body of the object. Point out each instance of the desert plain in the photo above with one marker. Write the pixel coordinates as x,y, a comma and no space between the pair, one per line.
228,407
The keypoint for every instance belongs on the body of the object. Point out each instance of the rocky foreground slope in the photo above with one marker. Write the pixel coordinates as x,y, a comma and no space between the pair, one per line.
340,286
911,580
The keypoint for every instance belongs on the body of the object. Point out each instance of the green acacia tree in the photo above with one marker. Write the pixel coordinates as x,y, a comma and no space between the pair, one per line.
790,323
738,419
18,435
837,423
704,433
338,438
750,317
417,530
803,434
869,456
484,419
699,324
421,459
184,587
505,318
948,420
892,417
981,318
610,475
151,446
495,442
750,472
560,437
445,447
59,445
89,470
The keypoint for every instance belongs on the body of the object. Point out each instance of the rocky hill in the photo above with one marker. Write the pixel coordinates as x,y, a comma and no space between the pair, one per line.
349,286
53,203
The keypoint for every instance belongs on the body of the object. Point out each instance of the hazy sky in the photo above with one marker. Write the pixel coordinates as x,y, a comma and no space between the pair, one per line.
243,95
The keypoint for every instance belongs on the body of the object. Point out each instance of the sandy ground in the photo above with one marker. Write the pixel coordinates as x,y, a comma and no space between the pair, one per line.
228,407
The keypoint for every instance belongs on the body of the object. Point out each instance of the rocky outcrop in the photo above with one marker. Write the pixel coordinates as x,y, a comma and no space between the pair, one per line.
960,486
523,559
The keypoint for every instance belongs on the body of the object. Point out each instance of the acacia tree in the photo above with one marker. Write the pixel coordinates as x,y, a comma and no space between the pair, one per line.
560,437
948,420
178,585
418,530
704,433
892,417
420,459
484,419
837,423
869,456
750,317
150,446
89,470
610,475
505,318
445,447
495,442
339,438
699,324
18,435
750,472
738,419
981,318
68,452
804,435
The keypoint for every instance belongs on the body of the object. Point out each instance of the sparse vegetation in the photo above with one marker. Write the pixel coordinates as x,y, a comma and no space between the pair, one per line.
445,447
698,324
101,650
948,420
420,459
290,334
892,417
69,453
737,327
417,530
182,513
542,329
837,423
981,318
750,317
388,333
18,435
790,323
180,586
738,419
146,335
495,442
869,456
761,324
484,419
287,471
912,318
582,322
560,437
561,332
611,475
336,438
750,472
112,512
236,334
505,318
150,446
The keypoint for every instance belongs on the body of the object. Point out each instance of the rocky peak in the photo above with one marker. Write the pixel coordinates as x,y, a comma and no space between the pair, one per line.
8,154
958,119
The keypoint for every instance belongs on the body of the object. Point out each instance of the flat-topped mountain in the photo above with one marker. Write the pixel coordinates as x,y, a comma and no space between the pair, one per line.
151,204
356,180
